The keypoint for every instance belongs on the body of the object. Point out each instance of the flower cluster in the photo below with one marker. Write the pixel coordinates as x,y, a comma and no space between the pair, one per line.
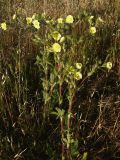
69,20
75,72
32,20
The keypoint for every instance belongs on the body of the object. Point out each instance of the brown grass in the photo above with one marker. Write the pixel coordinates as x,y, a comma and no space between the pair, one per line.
98,103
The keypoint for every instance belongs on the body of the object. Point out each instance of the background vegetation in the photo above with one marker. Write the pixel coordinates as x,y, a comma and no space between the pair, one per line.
29,129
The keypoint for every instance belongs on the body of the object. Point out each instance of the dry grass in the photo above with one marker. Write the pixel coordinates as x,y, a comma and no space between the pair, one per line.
97,106
60,8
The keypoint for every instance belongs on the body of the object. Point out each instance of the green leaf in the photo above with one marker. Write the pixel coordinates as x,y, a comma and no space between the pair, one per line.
84,157
94,67
74,147
55,113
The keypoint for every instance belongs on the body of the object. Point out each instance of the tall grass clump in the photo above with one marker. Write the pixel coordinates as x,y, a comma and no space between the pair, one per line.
60,80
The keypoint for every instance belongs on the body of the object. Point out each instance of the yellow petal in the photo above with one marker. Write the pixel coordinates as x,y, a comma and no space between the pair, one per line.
92,30
56,35
69,19
36,24
109,65
78,65
56,47
78,76
29,20
14,16
60,20
62,39
4,26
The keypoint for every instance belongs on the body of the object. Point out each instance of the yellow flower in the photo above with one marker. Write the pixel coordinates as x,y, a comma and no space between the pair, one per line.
78,76
91,17
92,30
14,16
69,19
36,24
62,39
56,35
4,26
33,17
71,70
29,20
47,21
60,20
56,47
78,65
100,20
109,65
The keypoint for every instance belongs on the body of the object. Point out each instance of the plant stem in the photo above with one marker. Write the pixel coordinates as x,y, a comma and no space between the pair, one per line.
71,94
62,136
61,122
69,114
19,62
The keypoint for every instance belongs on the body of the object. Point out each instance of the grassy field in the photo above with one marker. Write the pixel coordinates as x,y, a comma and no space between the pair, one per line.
60,80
